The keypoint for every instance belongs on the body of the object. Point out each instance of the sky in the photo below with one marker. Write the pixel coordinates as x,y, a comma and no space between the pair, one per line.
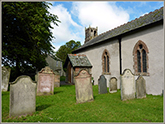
76,16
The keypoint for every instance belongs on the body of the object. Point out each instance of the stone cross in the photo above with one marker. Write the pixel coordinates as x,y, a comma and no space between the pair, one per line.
102,84
127,85
22,96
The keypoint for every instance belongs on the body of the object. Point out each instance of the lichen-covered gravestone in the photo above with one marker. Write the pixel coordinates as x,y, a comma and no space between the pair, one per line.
113,85
127,85
22,96
140,87
83,86
102,84
45,81
5,78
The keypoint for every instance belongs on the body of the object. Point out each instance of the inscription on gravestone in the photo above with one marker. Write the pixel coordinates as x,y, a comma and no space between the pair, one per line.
113,85
83,86
45,81
140,87
22,96
102,84
127,85
5,78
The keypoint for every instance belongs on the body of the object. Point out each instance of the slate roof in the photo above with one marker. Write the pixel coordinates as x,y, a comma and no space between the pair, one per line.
142,21
78,60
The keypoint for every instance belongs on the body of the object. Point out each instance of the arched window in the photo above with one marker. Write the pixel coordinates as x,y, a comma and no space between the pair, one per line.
105,62
140,54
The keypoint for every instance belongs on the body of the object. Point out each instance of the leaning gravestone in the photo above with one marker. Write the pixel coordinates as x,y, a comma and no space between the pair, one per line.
140,87
102,84
45,81
83,86
22,96
5,78
127,85
113,85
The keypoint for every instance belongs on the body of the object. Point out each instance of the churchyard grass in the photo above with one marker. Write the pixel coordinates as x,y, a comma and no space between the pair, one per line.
62,107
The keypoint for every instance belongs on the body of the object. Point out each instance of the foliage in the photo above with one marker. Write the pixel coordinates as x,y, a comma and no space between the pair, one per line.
62,78
67,49
62,107
26,35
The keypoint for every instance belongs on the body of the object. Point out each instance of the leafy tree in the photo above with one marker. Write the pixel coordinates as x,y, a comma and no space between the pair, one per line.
26,35
67,49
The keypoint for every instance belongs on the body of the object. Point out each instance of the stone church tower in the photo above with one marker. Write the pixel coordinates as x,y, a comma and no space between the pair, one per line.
90,33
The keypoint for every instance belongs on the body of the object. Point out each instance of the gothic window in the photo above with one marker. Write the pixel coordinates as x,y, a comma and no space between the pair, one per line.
105,62
140,54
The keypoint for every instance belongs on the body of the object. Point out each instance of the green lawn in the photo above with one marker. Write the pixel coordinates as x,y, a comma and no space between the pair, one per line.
62,107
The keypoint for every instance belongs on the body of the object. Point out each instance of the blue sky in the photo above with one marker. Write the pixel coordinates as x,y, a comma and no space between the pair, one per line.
105,15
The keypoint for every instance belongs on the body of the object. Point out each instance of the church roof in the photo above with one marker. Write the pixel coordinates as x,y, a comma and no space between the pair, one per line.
142,21
78,60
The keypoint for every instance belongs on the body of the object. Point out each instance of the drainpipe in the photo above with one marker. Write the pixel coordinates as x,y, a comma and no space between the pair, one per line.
120,57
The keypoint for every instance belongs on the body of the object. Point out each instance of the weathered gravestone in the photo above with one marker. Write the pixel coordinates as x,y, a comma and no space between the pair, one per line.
22,96
57,80
102,84
83,85
113,85
45,81
140,87
5,78
127,85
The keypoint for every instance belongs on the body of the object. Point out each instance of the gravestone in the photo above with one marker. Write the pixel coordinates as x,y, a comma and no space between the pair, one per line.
113,85
127,85
45,81
5,78
83,86
57,80
140,87
102,84
22,96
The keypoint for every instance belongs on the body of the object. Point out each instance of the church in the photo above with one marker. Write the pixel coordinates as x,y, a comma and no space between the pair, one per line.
137,45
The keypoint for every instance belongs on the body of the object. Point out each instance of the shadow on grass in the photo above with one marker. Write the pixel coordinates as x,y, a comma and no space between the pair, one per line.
42,107
55,92
66,85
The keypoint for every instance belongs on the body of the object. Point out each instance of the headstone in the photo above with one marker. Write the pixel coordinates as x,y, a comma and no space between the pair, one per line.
83,86
57,80
5,78
140,87
22,96
45,81
113,85
102,84
127,85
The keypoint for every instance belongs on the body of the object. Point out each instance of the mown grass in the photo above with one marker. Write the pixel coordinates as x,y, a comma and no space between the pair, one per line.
62,107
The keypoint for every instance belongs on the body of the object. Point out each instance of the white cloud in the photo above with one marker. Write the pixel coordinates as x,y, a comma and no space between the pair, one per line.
63,32
102,14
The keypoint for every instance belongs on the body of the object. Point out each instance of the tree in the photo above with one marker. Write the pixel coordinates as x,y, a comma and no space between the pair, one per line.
67,49
26,35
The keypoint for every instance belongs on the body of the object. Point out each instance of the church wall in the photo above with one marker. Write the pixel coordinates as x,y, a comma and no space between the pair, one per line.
94,55
154,40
